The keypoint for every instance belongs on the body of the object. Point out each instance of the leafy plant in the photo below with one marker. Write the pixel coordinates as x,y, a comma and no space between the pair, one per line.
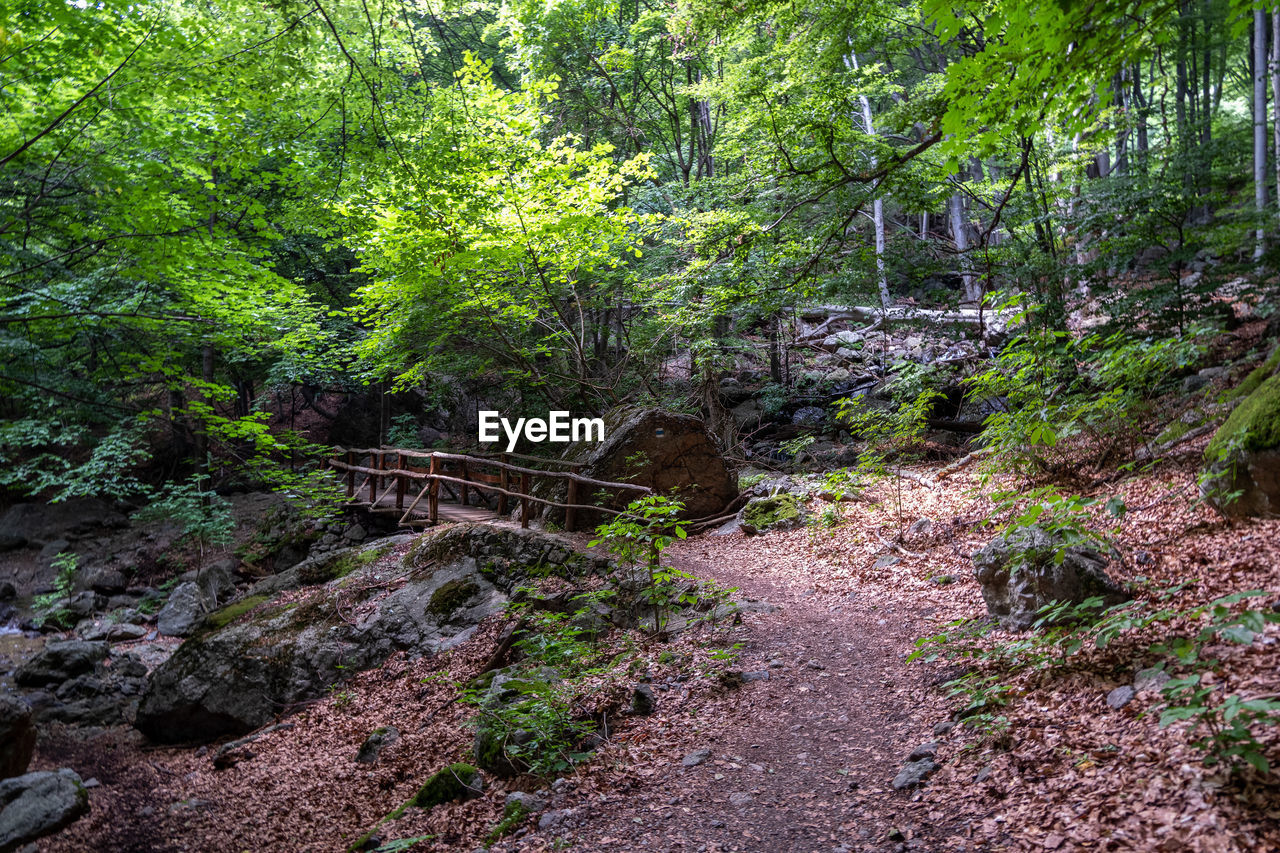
886,432
793,446
639,536
51,608
403,431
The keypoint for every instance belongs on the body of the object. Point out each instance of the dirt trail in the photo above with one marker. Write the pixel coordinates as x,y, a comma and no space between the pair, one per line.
806,759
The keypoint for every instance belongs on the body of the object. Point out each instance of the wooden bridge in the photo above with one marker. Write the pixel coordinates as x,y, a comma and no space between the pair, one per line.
385,480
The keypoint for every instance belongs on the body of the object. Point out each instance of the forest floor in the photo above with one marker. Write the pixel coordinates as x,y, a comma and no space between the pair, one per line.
803,760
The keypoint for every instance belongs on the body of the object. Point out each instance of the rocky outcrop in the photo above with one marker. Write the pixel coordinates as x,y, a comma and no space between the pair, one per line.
39,804
81,682
780,512
17,736
59,661
666,451
259,657
1244,457
1029,568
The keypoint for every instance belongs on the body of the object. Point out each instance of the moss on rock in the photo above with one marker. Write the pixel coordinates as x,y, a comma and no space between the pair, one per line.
1173,432
451,596
1257,376
1254,424
233,611
455,782
344,564
764,513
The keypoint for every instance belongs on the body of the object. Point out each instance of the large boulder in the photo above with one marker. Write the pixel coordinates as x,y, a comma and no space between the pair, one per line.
39,804
17,736
59,661
183,612
261,656
1244,456
1028,568
669,452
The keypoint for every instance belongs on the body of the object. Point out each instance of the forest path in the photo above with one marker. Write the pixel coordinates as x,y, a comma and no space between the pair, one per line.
803,761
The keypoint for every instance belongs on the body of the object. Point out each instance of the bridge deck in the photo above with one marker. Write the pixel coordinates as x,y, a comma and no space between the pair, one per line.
448,511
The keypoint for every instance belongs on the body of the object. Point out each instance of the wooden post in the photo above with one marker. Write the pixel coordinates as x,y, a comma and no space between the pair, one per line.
400,481
570,514
465,488
504,482
375,461
524,502
433,500
351,475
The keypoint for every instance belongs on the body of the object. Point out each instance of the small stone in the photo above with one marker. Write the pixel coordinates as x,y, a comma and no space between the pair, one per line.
758,675
1194,382
1120,697
378,740
913,773
943,580
777,663
1152,678
526,801
886,560
740,799
555,818
642,700
717,824
813,664
924,750
921,528
983,775
696,757
943,727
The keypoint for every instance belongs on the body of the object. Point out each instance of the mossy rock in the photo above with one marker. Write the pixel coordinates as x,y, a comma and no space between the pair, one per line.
1254,424
451,596
323,571
232,612
458,781
1173,432
781,512
1244,456
1257,376
513,814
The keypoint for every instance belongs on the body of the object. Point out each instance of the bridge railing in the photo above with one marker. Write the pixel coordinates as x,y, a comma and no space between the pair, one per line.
400,469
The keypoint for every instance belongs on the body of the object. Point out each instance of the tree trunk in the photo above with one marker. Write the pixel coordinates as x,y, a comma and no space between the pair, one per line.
960,233
1275,91
1259,128
877,207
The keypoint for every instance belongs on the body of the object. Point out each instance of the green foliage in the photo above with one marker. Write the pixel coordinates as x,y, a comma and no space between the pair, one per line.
641,534
50,608
203,517
1255,423
403,431
1054,387
1226,722
538,732
513,814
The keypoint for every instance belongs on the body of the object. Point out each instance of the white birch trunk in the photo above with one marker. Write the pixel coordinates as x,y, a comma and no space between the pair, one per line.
1275,92
877,207
1259,126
